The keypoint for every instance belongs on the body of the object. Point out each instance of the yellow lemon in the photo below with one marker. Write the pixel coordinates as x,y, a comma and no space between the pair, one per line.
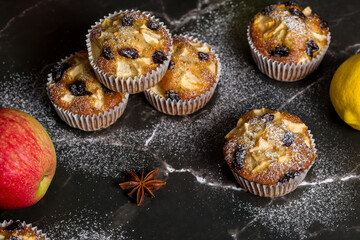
345,91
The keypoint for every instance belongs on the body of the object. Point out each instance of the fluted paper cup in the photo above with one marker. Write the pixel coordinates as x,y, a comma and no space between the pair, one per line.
286,72
37,232
174,107
130,85
262,190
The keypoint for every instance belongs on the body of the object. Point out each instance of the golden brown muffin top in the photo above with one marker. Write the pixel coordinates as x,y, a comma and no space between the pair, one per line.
19,230
75,88
289,34
192,71
129,44
268,147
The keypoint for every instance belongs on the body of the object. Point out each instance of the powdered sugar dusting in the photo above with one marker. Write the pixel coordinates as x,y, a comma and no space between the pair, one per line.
188,149
293,23
73,227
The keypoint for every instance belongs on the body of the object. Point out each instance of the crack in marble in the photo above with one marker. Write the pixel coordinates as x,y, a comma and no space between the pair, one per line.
356,167
299,93
22,14
190,15
330,180
204,181
348,50
343,17
152,135
67,181
200,179
234,233
316,233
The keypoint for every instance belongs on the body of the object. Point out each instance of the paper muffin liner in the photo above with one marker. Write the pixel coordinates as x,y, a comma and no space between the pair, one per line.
88,122
286,72
277,190
39,233
173,107
130,85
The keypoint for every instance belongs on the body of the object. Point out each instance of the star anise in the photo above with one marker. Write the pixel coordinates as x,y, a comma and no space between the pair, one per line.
143,186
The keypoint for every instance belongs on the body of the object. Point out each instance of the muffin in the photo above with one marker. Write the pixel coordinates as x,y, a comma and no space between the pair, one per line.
80,99
190,80
288,42
269,152
129,50
16,230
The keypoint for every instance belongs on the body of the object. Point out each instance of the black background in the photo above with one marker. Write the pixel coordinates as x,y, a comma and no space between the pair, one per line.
201,199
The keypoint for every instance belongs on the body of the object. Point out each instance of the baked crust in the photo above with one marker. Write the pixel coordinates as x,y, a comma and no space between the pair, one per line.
98,99
289,27
190,73
25,233
113,35
268,155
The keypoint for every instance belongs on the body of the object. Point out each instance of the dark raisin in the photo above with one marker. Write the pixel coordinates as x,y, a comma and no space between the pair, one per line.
297,12
311,47
203,56
172,95
267,10
159,57
239,157
127,20
290,3
288,139
171,66
106,90
78,88
279,52
14,238
131,53
268,117
15,225
153,24
59,70
107,53
323,23
289,174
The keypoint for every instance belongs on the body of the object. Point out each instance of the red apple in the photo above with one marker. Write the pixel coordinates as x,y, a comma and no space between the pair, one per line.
27,159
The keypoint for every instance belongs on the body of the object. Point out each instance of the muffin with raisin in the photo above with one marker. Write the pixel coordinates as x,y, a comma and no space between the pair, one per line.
269,152
16,230
129,50
190,80
80,99
287,42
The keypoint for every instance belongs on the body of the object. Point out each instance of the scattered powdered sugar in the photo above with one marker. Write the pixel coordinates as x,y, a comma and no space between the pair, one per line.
285,218
73,227
294,23
192,145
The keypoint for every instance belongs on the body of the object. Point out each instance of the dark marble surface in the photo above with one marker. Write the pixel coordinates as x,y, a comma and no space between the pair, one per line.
201,199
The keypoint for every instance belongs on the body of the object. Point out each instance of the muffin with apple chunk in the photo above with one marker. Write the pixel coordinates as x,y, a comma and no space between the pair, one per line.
288,35
129,50
190,80
269,152
80,99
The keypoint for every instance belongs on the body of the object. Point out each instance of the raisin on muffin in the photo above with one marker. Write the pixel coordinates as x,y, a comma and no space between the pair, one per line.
289,34
269,152
76,88
129,44
193,72
75,91
15,230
